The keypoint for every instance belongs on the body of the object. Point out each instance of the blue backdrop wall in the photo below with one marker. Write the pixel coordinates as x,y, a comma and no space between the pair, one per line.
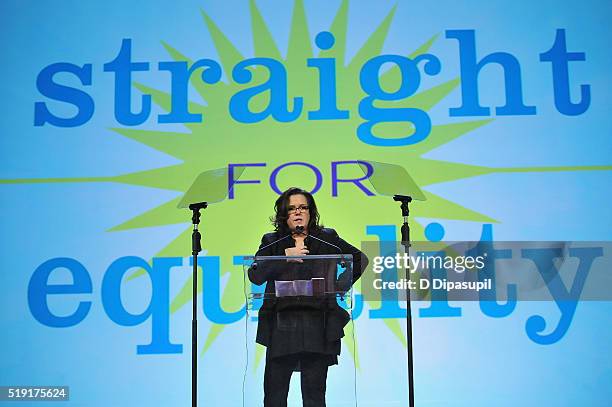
498,110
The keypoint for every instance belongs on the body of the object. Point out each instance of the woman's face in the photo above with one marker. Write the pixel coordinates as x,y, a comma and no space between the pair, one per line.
299,213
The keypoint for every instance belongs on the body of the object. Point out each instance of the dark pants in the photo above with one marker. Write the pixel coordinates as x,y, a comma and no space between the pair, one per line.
278,372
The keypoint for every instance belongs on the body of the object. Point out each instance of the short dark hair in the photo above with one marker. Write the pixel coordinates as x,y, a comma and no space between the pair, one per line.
281,211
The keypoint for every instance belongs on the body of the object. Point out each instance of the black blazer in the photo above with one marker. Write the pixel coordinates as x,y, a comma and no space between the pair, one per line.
292,325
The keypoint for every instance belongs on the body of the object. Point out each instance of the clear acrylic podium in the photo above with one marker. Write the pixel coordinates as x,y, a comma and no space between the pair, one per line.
304,301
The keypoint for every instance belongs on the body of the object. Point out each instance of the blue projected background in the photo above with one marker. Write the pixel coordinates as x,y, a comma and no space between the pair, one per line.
498,110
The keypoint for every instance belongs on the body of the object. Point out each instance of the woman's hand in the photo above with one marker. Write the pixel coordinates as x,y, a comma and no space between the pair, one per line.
296,251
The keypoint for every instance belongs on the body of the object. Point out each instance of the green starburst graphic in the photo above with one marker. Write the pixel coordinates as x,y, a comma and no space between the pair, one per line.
219,140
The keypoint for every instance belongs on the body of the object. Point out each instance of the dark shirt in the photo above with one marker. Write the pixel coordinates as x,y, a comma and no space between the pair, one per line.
292,325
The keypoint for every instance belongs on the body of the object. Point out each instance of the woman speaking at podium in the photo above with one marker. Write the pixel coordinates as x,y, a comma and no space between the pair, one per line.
300,334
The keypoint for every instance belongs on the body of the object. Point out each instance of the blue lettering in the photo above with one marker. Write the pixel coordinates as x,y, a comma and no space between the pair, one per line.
123,67
159,306
411,79
389,304
181,73
566,300
276,85
327,82
318,175
559,59
81,100
211,291
470,70
357,181
39,289
488,299
232,181
439,298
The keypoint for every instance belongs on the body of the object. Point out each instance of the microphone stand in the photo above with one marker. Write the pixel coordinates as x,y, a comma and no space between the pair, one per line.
342,262
405,200
196,248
